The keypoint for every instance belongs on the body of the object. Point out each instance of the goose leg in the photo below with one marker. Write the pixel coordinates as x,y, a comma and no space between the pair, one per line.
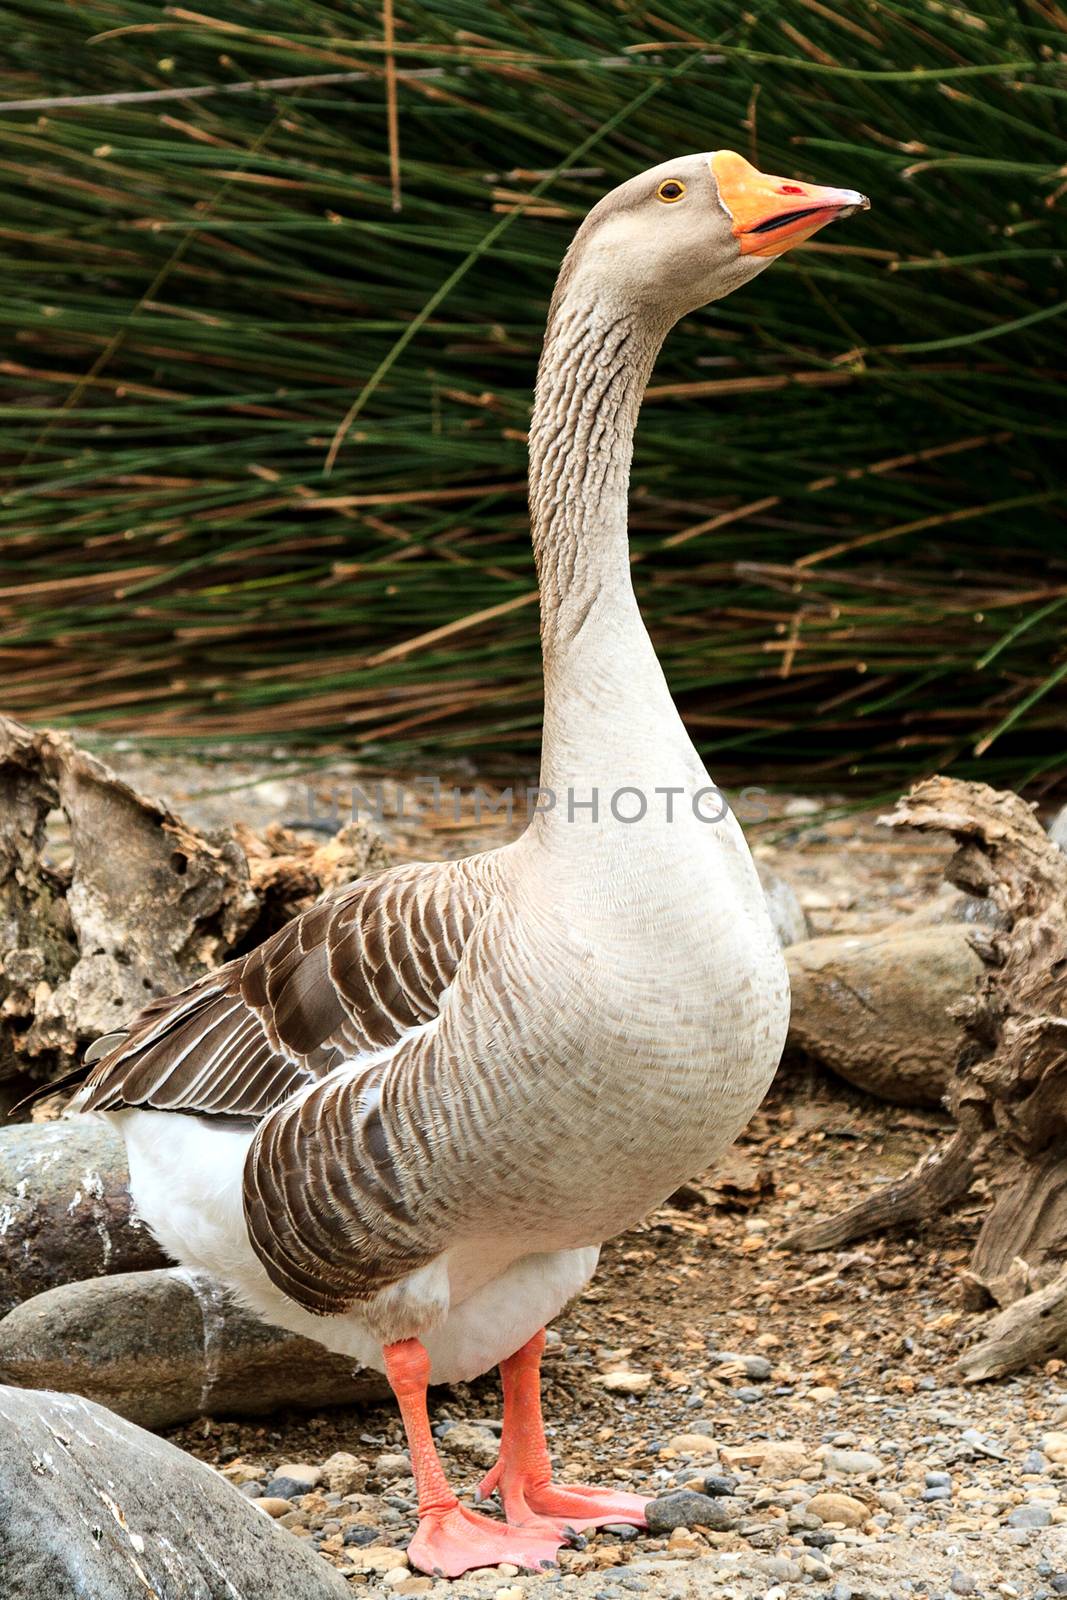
450,1538
523,1473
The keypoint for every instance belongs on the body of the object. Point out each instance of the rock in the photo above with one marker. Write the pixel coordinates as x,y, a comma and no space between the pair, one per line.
785,1458
274,1505
392,1465
1054,1447
344,1474
757,1367
624,1382
781,1569
830,1507
91,1505
938,1480
718,1484
788,916
877,1008
471,1443
293,1479
962,1582
1030,1516
161,1347
379,1558
693,1444
685,1509
851,1463
66,1210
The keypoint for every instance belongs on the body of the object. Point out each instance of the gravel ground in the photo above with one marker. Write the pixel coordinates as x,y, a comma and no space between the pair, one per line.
811,1398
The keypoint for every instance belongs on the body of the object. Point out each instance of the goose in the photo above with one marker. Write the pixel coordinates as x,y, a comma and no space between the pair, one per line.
405,1124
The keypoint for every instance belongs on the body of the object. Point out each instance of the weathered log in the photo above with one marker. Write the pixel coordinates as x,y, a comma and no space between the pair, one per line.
1010,1085
1032,1330
140,903
939,1178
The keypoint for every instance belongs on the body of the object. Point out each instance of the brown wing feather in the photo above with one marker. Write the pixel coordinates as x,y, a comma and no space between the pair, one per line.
346,979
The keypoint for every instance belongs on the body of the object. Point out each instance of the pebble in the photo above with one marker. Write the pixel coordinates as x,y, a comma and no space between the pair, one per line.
273,1505
784,1459
472,1443
939,1491
757,1367
391,1466
962,1582
1030,1516
622,1530
693,1444
293,1479
624,1382
344,1473
379,1558
829,1507
1034,1462
781,1569
718,1484
840,1591
686,1509
1058,1583
357,1534
1054,1446
851,1463
938,1480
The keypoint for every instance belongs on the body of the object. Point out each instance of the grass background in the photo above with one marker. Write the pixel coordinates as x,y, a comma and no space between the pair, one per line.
263,433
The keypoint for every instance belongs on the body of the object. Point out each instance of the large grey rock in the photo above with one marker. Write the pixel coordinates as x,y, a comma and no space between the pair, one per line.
92,1508
160,1347
65,1209
877,1008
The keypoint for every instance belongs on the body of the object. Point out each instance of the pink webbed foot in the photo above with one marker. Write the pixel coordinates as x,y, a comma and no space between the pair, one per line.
569,1508
454,1540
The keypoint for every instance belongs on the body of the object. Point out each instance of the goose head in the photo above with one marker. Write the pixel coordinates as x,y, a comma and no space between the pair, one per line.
692,230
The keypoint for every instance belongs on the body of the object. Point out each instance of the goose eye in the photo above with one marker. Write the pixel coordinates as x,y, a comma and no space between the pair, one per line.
670,189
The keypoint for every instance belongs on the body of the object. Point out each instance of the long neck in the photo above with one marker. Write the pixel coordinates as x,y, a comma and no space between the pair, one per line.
604,690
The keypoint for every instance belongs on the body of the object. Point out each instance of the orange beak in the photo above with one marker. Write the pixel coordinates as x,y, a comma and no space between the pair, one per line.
771,215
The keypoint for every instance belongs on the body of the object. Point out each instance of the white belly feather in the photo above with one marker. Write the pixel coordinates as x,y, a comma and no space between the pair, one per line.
185,1180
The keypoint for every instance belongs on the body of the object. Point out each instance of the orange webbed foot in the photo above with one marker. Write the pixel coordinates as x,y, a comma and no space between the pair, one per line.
570,1508
454,1540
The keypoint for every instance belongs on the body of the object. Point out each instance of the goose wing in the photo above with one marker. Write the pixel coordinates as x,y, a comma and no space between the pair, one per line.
345,982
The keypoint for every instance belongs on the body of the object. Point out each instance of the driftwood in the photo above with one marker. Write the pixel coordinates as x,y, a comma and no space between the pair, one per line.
108,898
1009,1091
939,1178
1030,1330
